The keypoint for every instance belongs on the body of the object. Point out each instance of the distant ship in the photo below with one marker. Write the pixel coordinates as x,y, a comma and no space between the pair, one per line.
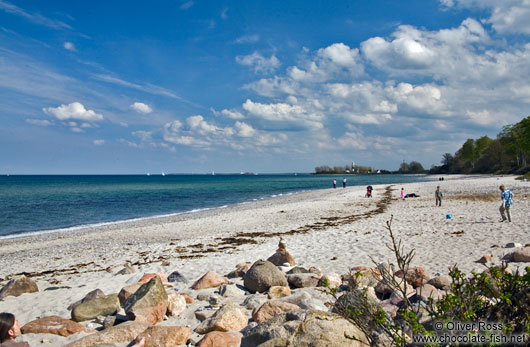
163,173
148,174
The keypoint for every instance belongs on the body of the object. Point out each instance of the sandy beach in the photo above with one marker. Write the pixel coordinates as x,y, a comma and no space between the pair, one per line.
333,229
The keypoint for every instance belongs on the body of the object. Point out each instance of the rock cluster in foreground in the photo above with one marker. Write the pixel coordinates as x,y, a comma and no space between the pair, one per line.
267,303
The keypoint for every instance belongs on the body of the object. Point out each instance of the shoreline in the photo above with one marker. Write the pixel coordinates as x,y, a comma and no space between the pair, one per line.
118,220
332,229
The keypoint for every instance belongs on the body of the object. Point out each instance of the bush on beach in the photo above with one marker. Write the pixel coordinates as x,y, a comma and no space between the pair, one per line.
495,295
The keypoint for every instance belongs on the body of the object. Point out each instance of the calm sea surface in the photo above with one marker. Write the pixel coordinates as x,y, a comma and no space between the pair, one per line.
40,203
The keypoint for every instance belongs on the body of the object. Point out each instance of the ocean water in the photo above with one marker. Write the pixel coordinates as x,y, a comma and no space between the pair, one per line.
34,203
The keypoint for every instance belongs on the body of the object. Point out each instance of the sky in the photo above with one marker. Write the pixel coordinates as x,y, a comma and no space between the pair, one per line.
191,86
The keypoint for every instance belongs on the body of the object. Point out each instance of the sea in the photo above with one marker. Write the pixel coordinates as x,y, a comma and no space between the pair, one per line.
31,204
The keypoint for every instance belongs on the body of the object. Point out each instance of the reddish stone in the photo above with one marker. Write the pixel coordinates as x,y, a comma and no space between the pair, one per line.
54,325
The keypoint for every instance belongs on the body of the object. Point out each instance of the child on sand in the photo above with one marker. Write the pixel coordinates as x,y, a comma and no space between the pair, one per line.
402,193
9,330
438,195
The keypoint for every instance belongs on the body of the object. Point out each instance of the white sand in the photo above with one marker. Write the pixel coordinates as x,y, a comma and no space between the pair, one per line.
358,233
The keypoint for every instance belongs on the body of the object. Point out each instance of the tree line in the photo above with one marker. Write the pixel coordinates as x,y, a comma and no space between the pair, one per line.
508,153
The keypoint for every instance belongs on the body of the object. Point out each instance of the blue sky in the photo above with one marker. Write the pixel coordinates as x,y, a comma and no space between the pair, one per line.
264,86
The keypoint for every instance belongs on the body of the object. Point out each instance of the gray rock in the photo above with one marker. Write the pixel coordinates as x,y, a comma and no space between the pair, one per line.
254,301
96,293
231,290
303,280
298,270
263,275
441,282
127,270
104,306
304,328
176,276
522,255
18,286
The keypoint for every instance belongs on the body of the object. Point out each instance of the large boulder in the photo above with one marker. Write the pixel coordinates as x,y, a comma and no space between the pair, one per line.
127,291
123,333
230,317
96,293
149,303
209,280
18,286
358,298
272,308
105,306
220,339
54,325
263,275
156,336
305,328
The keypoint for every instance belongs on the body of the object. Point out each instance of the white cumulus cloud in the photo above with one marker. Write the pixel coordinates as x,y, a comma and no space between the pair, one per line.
73,111
99,142
140,107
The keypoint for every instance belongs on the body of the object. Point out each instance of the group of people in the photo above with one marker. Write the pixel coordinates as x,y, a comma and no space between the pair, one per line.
343,183
504,209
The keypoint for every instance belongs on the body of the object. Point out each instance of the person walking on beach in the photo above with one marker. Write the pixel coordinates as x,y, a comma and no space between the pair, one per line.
402,193
344,183
438,195
506,204
334,183
9,330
